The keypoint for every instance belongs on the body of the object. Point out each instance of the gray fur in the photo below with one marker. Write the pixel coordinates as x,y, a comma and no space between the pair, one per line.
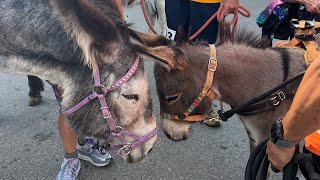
36,39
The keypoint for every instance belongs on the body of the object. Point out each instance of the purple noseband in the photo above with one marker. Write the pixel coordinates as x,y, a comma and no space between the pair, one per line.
116,131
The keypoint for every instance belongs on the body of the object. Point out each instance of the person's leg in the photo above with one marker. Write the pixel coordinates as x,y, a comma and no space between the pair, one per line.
35,88
70,166
151,13
160,4
199,14
177,15
68,137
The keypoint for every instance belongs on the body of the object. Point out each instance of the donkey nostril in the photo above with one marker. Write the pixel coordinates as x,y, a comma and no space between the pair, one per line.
185,137
150,150
168,136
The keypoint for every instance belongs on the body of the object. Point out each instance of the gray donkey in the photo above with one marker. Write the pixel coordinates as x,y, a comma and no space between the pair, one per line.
155,10
70,42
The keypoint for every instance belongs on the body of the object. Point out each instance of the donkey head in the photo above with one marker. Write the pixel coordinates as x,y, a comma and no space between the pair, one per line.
104,39
178,88
179,79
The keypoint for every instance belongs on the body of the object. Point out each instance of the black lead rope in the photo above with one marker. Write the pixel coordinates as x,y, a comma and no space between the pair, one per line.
226,115
259,163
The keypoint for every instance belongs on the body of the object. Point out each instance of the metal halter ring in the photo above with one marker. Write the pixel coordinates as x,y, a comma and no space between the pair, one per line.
98,89
280,97
126,148
209,64
118,129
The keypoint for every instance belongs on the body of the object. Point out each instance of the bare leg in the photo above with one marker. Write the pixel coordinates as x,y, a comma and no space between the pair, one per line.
68,137
124,11
151,13
162,16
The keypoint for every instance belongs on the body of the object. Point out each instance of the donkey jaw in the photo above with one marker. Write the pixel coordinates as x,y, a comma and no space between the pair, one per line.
138,155
176,131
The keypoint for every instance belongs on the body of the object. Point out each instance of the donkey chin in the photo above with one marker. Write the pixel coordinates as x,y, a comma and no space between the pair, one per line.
176,130
138,154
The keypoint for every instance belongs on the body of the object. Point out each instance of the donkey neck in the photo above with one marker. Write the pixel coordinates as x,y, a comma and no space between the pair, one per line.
64,74
245,72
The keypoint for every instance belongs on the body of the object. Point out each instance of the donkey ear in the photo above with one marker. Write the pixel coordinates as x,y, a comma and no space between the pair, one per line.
169,57
95,23
75,13
91,24
150,40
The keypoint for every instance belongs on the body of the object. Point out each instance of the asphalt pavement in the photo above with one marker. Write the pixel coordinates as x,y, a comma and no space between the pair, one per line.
31,147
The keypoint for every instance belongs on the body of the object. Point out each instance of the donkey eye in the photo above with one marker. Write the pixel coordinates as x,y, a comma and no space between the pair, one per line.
131,96
172,98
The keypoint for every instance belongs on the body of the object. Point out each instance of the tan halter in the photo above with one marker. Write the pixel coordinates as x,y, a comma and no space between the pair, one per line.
304,29
206,92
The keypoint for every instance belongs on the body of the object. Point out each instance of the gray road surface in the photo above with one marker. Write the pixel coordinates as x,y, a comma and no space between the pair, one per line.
31,147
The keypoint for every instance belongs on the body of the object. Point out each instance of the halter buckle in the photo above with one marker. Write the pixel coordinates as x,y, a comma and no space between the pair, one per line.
126,148
212,67
280,97
98,89
118,129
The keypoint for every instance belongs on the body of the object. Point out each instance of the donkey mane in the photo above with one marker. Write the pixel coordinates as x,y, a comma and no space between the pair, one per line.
241,36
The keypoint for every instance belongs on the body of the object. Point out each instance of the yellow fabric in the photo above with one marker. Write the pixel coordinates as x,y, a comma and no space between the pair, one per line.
207,1
313,142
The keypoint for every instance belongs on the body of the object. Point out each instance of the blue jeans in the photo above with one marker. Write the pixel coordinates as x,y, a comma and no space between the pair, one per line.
190,16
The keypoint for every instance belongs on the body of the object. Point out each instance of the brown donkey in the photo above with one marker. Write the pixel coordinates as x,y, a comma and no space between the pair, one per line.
246,68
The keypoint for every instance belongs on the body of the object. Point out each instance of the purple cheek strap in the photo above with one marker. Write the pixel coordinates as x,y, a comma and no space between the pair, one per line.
124,148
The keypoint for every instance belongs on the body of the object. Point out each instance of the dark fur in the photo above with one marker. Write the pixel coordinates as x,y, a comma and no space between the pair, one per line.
246,69
35,86
241,36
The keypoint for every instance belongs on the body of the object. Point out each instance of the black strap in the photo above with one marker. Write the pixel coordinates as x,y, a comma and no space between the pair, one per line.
226,115
259,158
268,104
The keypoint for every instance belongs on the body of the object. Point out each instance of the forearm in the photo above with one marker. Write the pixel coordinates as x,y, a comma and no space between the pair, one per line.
311,5
303,118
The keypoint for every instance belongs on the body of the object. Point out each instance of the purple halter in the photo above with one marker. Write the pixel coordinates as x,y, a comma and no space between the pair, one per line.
116,131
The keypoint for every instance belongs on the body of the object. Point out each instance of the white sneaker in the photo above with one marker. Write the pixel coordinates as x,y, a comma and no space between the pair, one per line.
94,153
69,169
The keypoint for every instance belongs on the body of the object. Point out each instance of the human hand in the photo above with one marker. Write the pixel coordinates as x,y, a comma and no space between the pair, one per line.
229,6
312,5
281,44
278,156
